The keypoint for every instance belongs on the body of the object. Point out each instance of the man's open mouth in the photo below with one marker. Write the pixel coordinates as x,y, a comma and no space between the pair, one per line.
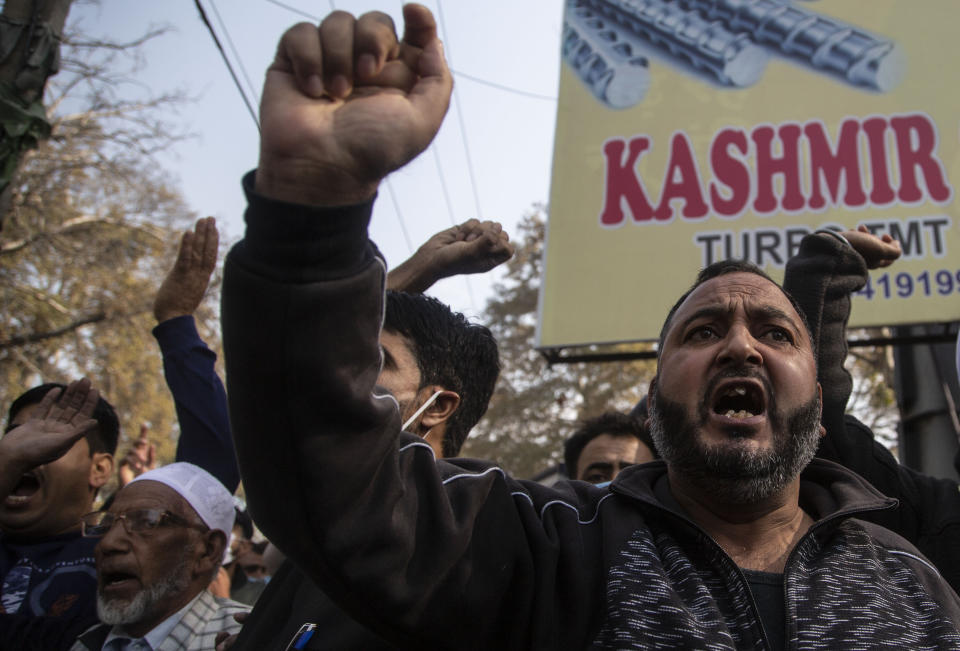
115,579
739,399
25,489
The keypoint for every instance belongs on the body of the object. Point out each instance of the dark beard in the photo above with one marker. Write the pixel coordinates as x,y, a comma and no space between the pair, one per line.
733,472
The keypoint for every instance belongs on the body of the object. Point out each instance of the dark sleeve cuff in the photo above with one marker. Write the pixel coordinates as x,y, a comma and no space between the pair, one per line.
294,243
178,332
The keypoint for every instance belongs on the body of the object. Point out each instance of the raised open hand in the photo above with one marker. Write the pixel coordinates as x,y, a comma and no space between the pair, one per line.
59,420
347,103
140,458
183,288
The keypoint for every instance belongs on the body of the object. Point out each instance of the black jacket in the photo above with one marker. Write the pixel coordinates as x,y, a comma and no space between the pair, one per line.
458,555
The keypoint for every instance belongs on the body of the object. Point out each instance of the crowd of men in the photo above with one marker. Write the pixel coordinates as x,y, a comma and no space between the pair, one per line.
737,506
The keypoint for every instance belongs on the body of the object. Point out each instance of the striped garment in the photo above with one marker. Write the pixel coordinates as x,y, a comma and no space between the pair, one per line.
196,631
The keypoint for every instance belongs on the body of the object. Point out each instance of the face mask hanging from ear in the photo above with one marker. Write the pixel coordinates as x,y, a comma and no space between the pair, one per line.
422,409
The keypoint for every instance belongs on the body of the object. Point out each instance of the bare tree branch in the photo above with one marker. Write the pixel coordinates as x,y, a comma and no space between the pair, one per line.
42,336
75,40
96,317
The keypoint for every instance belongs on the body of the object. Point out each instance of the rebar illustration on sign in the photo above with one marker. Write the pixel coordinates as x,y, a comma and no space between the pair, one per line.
823,42
731,40
604,59
734,59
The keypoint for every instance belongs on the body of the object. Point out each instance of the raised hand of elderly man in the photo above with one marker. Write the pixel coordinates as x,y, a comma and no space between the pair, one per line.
876,250
58,421
347,103
472,247
183,288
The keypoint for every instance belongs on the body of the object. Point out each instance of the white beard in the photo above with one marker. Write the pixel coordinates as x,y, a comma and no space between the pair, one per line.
119,612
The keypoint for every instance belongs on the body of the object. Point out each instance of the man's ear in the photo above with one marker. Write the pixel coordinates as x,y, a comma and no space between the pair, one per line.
213,544
442,408
101,469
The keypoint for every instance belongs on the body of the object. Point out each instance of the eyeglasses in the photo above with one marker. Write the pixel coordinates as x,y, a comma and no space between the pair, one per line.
98,523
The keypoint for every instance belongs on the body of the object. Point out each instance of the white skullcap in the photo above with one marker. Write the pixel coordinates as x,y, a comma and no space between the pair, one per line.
204,492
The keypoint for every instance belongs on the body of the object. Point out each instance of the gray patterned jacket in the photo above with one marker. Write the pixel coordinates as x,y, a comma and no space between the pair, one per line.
458,555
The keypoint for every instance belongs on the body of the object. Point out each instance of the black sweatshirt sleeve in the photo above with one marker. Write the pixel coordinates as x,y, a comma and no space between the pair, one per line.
428,554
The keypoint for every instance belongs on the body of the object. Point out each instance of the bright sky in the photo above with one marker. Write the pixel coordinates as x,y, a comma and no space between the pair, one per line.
493,152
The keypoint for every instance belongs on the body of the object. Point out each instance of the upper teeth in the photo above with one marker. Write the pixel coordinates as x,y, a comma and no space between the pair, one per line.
743,413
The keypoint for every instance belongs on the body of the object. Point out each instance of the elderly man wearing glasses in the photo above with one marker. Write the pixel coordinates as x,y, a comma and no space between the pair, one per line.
161,543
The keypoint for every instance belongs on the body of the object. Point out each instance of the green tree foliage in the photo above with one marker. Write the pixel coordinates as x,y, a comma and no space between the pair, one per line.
537,406
91,232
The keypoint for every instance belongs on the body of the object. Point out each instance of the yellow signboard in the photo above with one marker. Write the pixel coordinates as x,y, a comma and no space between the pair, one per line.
695,130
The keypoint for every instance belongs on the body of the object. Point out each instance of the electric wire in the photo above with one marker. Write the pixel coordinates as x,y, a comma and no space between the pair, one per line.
295,10
443,183
508,89
463,130
396,209
216,41
233,49
449,203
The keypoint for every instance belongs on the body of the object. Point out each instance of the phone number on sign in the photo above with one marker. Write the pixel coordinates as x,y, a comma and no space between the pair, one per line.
905,285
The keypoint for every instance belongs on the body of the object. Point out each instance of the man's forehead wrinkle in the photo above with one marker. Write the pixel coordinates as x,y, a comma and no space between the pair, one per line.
727,292
149,494
137,502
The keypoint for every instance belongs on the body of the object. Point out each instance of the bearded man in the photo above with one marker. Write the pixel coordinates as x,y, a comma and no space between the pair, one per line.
736,540
161,543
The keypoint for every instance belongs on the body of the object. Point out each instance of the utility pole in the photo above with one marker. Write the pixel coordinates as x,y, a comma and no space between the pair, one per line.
30,33
927,394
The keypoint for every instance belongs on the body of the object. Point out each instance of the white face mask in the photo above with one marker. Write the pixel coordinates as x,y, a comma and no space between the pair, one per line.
422,409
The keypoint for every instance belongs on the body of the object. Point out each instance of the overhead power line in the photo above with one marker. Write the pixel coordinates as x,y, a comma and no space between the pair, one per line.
295,10
396,209
508,89
449,203
443,183
463,129
233,48
236,81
